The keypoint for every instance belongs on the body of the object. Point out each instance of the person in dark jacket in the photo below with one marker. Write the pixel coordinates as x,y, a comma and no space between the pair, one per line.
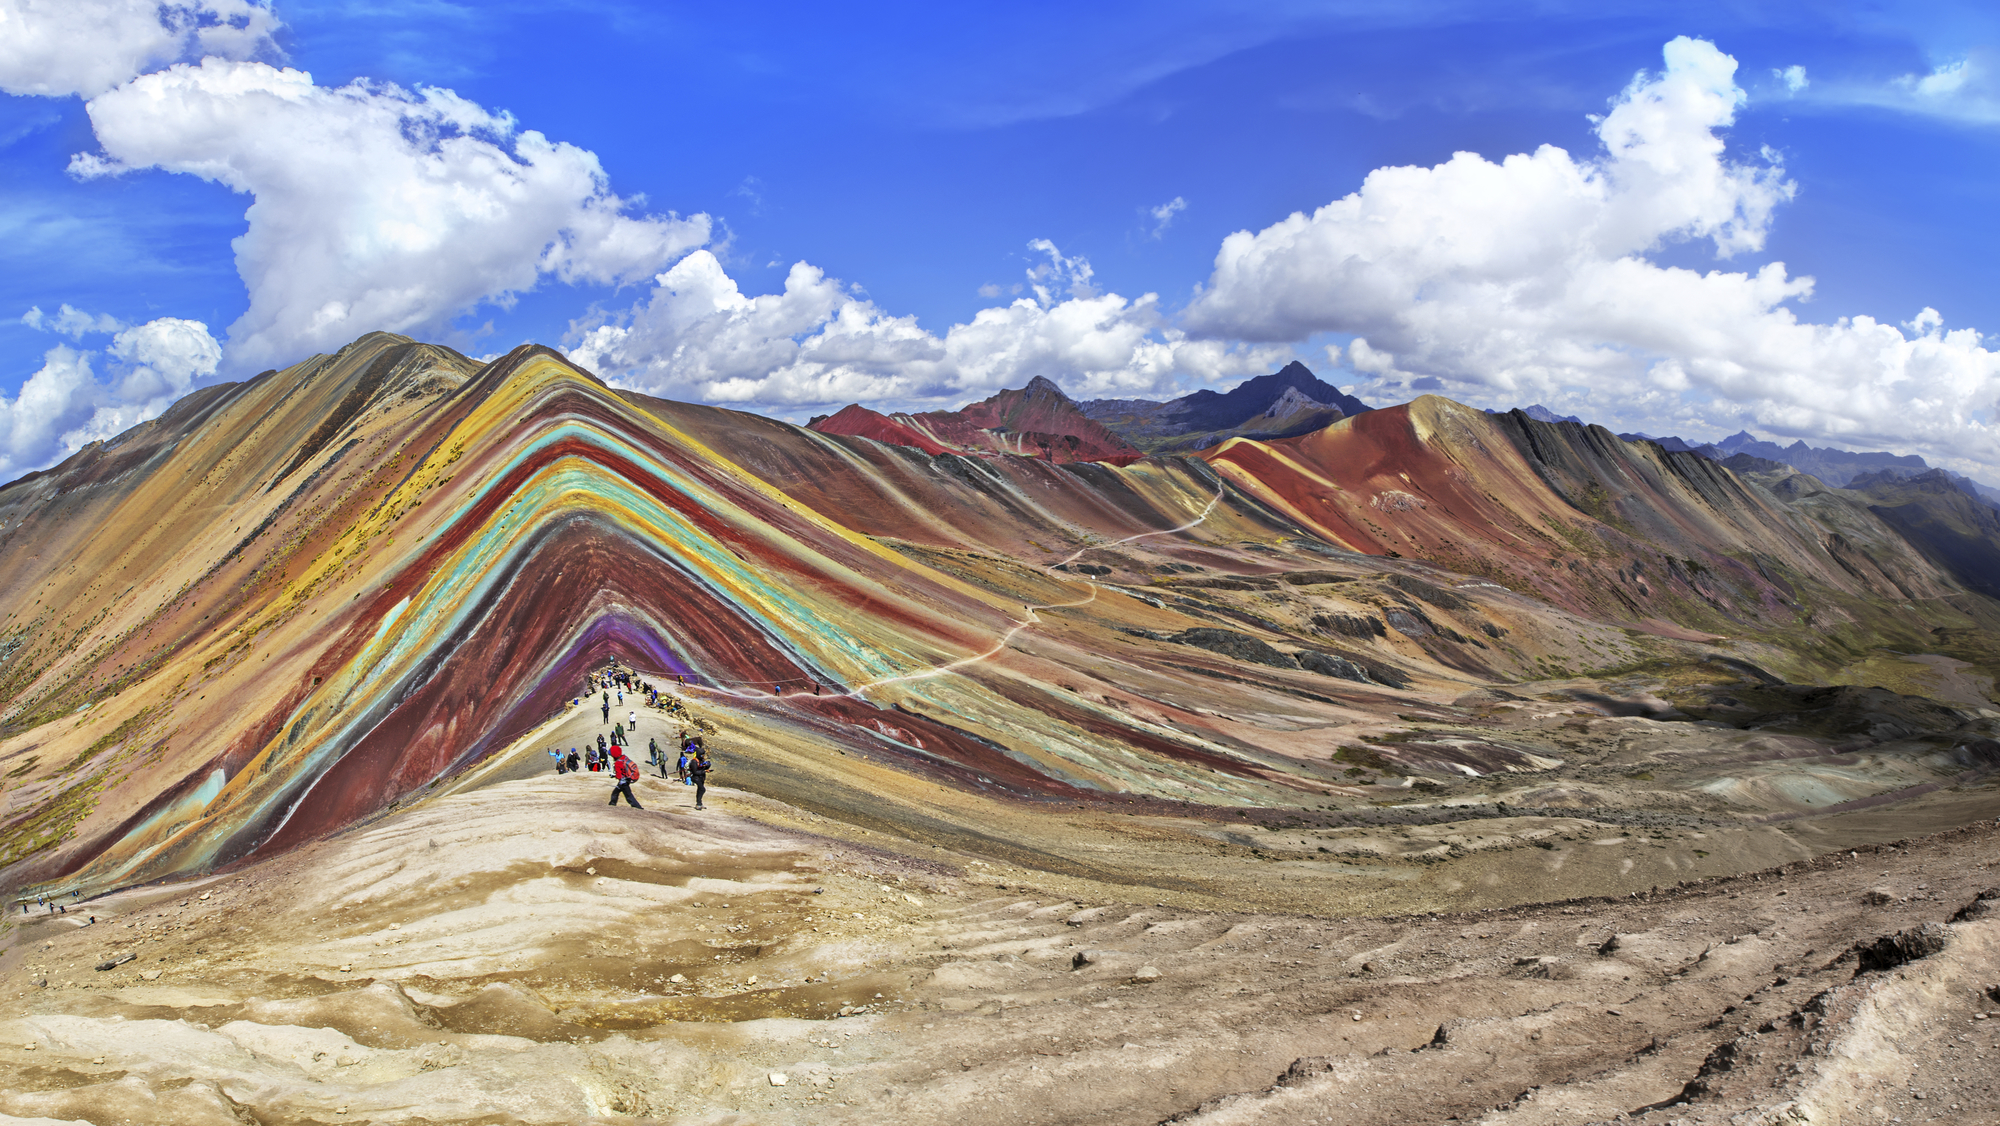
698,768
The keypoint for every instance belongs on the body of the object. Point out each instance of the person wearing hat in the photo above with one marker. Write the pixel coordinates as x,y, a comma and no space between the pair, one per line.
625,772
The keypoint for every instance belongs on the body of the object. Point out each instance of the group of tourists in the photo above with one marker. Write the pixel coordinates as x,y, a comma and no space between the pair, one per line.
608,753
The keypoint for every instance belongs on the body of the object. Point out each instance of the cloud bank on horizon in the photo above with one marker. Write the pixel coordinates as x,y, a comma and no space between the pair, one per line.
1536,277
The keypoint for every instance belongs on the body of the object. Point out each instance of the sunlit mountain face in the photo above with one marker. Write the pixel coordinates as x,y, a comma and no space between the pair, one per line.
1388,734
292,603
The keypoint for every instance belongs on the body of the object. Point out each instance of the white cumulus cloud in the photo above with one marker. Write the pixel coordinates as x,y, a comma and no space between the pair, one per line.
64,406
376,207
1163,215
55,48
819,343
1529,280
70,322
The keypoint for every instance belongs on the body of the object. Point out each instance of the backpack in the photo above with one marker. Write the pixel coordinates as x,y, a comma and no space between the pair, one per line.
626,771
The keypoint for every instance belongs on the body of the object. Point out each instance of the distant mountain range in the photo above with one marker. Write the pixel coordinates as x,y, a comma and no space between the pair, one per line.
1288,402
1036,421
1039,420
1843,469
1540,413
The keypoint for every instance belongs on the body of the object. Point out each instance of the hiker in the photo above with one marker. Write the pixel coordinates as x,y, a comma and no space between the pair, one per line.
617,734
573,761
561,768
632,720
625,772
698,769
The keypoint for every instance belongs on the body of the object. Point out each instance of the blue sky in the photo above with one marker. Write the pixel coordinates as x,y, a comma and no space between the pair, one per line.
910,154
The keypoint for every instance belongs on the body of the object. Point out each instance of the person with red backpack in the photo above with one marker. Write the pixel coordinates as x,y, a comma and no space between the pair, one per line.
625,772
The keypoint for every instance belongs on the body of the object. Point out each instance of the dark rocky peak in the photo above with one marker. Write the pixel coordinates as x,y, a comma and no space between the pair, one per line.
1210,410
1540,413
1750,463
1293,401
1043,385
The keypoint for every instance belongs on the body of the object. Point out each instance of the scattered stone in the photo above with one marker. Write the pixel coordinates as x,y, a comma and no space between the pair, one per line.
1328,665
779,1079
114,963
1084,958
678,979
1230,643
1890,951
1982,905
1608,947
1147,975
1878,897
1438,1040
1304,1068
28,1047
149,975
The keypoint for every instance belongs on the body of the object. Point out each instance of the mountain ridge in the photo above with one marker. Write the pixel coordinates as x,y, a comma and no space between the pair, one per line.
1283,404
291,604
1037,419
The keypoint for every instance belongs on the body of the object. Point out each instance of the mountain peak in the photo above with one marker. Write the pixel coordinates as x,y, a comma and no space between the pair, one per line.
1044,385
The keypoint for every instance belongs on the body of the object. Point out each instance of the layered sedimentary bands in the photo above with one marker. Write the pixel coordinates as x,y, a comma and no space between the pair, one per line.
1059,781
290,603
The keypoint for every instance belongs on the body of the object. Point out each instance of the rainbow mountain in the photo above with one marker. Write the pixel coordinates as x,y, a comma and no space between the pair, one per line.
289,604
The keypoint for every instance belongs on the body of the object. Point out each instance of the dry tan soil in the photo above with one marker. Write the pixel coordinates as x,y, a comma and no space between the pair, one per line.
517,951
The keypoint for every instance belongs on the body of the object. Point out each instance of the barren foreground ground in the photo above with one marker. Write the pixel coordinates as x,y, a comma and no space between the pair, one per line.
518,952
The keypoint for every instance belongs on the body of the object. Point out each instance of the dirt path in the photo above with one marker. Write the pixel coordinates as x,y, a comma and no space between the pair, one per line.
520,952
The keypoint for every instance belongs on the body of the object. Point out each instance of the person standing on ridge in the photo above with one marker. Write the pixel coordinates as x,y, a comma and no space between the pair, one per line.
698,768
625,772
